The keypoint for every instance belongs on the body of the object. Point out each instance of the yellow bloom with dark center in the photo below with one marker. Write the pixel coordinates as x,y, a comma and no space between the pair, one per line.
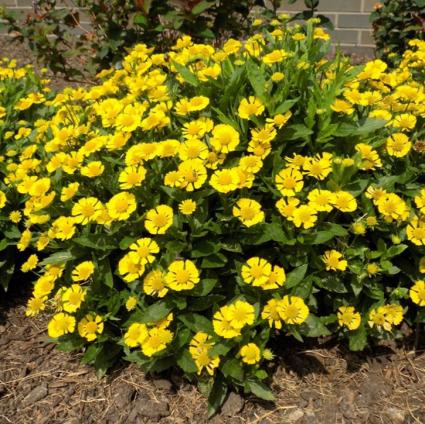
121,206
304,216
289,181
90,327
182,275
146,248
60,325
250,354
252,106
333,261
256,271
348,317
224,138
398,145
248,211
159,219
417,292
187,207
86,210
293,310
83,271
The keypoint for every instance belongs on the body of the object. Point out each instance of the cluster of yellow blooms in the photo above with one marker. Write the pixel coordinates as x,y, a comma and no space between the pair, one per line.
154,153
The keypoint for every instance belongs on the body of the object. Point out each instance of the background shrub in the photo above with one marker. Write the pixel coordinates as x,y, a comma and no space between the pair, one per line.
395,23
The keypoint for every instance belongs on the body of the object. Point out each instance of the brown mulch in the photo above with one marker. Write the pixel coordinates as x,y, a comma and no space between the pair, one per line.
320,384
317,384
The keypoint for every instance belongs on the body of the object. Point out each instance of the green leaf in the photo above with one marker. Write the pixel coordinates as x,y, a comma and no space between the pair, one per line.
140,19
217,395
58,258
357,340
156,312
204,302
395,250
296,276
204,248
104,272
186,74
186,362
196,322
201,7
217,260
204,287
331,231
233,368
260,390
90,354
285,106
315,327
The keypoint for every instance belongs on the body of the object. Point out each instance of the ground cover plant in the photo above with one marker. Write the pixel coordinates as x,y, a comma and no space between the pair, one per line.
20,90
195,204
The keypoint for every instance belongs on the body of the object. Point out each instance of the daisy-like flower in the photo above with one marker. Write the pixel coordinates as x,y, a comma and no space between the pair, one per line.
182,275
90,327
250,353
256,271
159,219
248,211
348,317
333,261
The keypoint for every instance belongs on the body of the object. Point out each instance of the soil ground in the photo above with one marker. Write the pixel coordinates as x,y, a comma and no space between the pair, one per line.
314,384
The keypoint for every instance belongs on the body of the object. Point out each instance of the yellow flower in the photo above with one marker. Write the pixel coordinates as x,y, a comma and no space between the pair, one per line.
224,138
199,349
60,325
24,241
154,284
287,208
86,210
417,292
146,248
348,317
90,327
223,325
318,167
277,76
250,107
250,354
69,191
198,103
159,219
93,169
422,265
415,231
35,305
256,271
121,206
135,335
378,317
131,303
276,278
275,56
271,313
404,121
83,271
192,174
15,216
289,181
225,180
241,313
187,207
30,263
73,297
345,201
398,145
342,107
369,156
248,211
182,275
420,201
293,310
333,261
304,216
157,340
131,176
372,269
130,267
321,200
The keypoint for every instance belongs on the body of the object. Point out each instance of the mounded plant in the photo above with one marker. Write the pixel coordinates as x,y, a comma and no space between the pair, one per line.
196,203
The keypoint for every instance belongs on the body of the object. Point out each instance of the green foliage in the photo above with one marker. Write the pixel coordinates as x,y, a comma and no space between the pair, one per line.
395,23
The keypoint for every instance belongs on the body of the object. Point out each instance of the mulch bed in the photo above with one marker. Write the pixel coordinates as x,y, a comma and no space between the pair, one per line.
316,384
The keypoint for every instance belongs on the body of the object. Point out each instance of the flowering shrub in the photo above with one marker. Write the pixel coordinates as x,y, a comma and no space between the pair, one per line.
20,89
195,204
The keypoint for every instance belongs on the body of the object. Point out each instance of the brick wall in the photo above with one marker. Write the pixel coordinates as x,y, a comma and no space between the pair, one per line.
350,19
